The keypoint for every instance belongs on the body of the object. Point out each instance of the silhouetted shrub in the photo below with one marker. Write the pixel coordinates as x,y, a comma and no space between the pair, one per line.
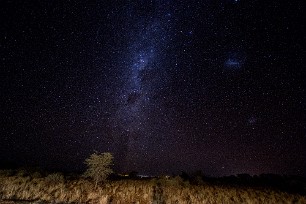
184,176
6,172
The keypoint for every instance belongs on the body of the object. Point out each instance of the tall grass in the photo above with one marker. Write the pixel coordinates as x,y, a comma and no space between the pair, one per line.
56,188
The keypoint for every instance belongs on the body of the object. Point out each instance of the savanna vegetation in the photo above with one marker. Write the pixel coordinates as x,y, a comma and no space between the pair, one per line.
41,187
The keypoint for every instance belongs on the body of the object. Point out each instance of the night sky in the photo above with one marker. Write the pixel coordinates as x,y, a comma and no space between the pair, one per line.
166,86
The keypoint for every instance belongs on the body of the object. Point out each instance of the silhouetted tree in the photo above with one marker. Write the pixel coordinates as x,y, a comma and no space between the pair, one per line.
133,174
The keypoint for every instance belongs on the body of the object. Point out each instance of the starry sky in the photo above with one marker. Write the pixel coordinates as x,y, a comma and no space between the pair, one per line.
166,86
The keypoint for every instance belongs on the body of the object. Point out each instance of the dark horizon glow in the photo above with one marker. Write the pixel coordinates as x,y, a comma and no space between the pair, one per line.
166,86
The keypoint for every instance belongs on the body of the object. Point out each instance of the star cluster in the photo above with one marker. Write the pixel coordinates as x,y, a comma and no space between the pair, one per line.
166,86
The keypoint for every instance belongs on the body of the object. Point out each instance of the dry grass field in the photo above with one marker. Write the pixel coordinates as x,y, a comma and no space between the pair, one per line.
55,188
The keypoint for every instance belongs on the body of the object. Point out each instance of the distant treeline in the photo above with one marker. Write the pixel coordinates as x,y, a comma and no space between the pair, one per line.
285,183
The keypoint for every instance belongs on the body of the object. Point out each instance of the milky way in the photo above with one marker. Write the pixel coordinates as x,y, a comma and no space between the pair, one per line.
144,75
166,86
